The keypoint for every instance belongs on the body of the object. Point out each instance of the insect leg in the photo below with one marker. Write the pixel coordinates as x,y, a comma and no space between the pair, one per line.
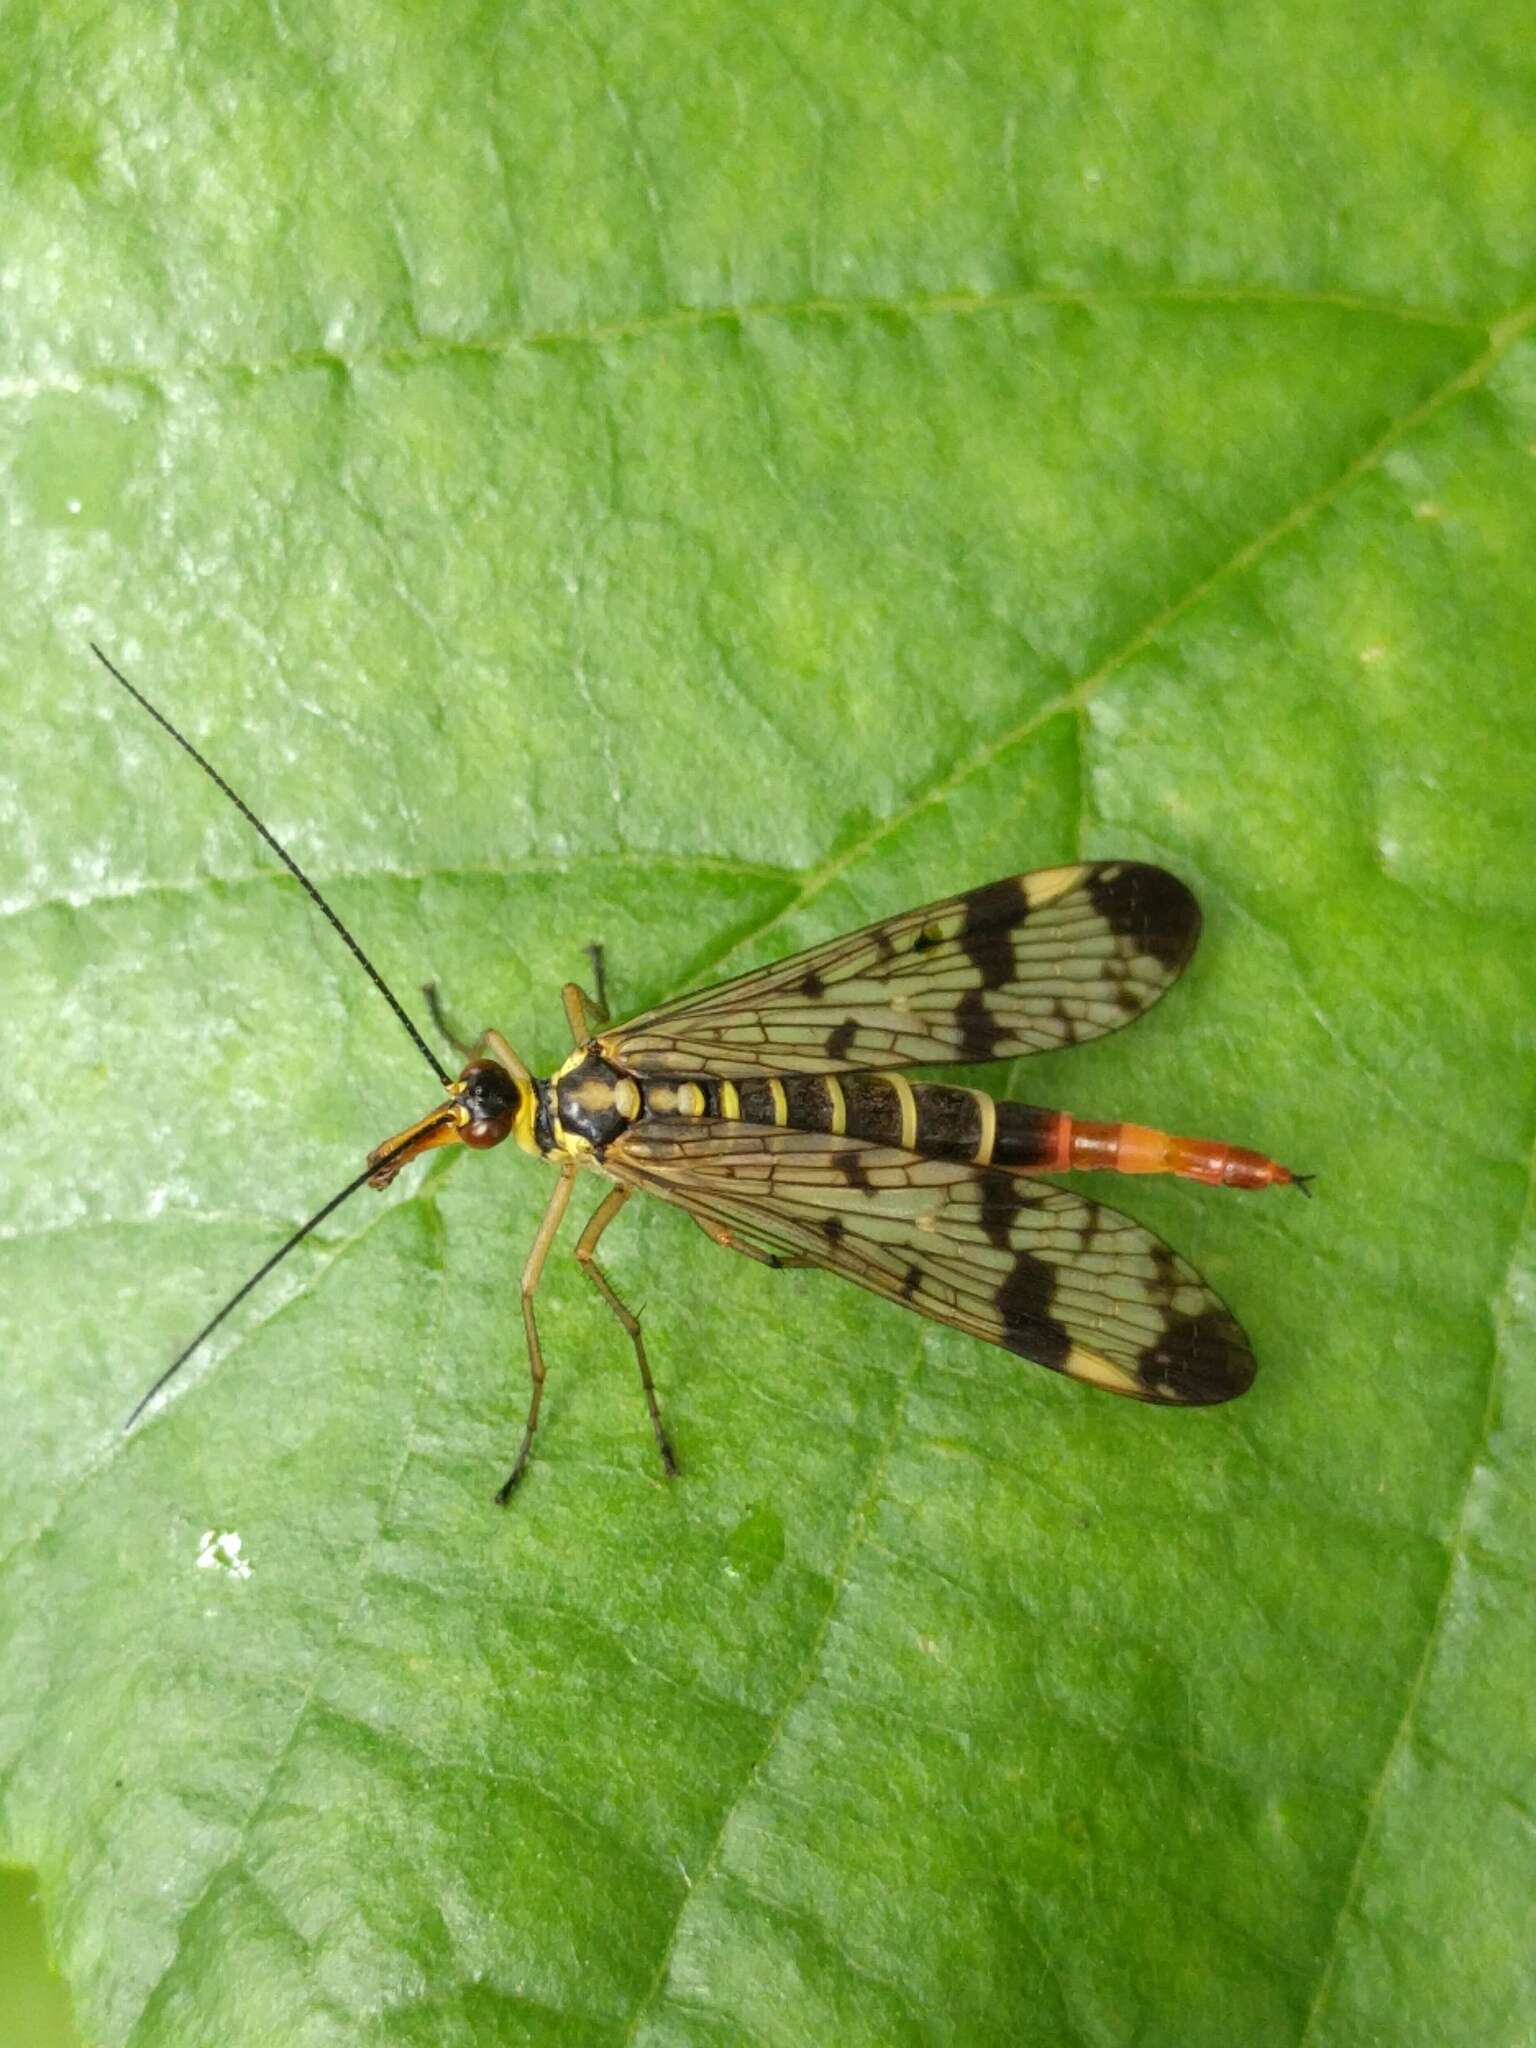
445,1030
533,1267
728,1241
586,1015
586,1253
594,953
581,1014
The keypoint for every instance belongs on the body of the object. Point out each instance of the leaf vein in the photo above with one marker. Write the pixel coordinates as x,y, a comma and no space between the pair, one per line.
1403,1736
1072,701
25,385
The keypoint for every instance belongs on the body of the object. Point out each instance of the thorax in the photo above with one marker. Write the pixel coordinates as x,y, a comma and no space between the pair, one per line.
589,1103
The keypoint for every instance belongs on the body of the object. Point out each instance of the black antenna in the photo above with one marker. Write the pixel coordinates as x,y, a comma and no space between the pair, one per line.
381,1159
299,875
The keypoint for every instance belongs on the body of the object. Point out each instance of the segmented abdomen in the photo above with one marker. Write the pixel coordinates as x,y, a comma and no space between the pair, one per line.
941,1122
886,1109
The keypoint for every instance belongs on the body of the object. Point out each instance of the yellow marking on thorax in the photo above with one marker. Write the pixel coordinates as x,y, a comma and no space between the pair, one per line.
777,1097
730,1101
988,1138
528,1098
592,1096
626,1099
662,1097
690,1099
837,1103
908,1102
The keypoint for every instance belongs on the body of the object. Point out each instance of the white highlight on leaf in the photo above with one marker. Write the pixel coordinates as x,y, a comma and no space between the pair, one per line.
222,1553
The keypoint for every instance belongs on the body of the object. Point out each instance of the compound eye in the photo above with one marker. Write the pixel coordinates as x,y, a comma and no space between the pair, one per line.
490,1099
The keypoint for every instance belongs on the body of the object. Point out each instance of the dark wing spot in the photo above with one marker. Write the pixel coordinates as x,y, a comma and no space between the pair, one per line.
1004,1198
991,915
834,1230
978,1029
841,1040
1024,1302
1166,1261
851,1166
1150,907
911,1280
1198,1360
996,908
993,957
811,984
930,936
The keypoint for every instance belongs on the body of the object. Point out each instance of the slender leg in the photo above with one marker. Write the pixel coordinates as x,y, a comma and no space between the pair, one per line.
445,1029
594,953
575,1002
586,1252
534,1266
780,1261
579,1014
586,1015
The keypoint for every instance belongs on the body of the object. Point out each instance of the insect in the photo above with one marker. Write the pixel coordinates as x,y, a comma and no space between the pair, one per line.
773,1111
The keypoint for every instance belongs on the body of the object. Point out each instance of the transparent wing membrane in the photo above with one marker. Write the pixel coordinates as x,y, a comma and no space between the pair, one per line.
1024,965
1039,1270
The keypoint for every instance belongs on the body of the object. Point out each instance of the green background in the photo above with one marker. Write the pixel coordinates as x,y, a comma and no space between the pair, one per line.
700,477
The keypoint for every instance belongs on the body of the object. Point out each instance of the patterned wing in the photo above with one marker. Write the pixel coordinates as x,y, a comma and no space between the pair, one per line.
1041,1271
1023,965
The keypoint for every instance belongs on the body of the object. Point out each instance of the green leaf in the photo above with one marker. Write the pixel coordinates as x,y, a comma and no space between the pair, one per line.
700,477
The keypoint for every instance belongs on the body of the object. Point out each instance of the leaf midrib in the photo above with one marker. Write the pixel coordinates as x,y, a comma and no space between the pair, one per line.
642,326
